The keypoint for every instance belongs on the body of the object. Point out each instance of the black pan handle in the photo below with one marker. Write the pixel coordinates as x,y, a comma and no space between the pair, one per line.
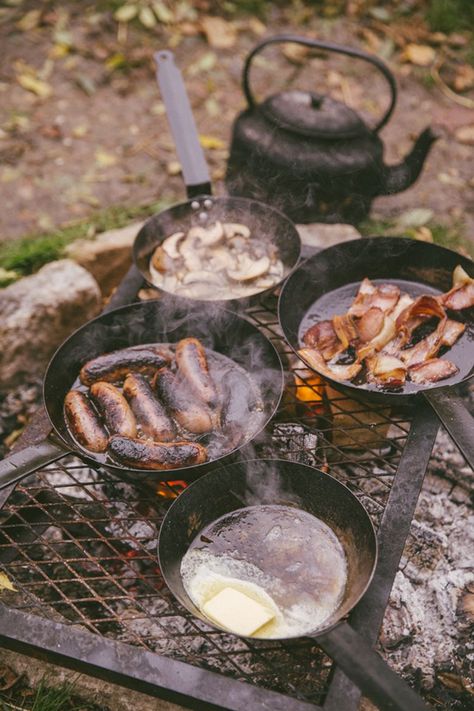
28,460
330,47
368,670
457,419
182,125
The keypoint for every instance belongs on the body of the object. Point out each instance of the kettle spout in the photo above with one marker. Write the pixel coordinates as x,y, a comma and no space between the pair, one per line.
400,177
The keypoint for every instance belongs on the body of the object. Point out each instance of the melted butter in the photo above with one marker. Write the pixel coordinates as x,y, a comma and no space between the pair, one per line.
283,558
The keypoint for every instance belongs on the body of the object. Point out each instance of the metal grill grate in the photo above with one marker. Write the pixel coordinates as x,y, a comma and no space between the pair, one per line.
80,546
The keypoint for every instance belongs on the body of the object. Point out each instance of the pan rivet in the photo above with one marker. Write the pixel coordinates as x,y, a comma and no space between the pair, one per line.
208,204
203,216
195,205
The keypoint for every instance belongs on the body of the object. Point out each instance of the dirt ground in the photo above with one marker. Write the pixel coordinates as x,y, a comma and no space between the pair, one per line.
92,132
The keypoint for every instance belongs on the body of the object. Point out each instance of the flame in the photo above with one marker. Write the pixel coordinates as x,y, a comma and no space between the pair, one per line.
310,391
168,490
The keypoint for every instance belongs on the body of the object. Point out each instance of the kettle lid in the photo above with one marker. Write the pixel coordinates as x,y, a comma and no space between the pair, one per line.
311,114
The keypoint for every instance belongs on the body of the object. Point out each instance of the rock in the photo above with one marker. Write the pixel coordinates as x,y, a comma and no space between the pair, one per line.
38,312
319,234
107,257
465,134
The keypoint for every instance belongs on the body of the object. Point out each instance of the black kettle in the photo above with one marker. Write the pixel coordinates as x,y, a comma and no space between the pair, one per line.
312,157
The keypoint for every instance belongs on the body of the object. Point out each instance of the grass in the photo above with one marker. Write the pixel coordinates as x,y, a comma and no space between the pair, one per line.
26,255
46,698
450,236
450,15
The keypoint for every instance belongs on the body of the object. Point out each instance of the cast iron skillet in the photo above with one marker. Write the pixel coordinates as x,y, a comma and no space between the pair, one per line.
257,482
149,322
201,208
387,258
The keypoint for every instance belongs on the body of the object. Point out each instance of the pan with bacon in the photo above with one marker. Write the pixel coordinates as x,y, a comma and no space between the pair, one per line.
389,317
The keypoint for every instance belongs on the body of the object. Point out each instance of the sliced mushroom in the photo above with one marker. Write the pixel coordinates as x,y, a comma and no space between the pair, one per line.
207,236
190,255
232,229
221,259
249,269
160,260
170,245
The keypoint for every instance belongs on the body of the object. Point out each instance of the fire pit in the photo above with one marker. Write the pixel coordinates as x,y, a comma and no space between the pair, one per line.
80,548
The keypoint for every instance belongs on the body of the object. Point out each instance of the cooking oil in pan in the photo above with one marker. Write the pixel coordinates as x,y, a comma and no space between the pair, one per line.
284,558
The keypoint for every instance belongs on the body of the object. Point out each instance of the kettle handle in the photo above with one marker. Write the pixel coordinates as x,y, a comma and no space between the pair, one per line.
330,47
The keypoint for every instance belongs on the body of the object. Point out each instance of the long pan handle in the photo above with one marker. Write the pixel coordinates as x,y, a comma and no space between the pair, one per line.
28,460
457,419
182,125
368,670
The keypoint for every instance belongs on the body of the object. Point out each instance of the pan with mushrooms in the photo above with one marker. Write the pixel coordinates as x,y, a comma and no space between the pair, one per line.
210,249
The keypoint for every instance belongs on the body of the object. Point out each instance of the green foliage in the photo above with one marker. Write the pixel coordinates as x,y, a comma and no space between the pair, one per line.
28,254
450,15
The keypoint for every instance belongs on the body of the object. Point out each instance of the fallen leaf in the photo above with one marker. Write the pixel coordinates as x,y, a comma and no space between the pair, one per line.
147,18
423,234
162,12
296,53
36,86
257,27
452,681
417,217
158,108
464,78
204,64
85,83
212,142
8,678
465,134
126,13
212,106
173,167
29,21
58,51
420,54
105,159
447,179
5,583
116,61
380,13
220,33
7,276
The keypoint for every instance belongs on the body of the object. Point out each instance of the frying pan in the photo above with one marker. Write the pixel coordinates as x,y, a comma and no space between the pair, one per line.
141,323
202,208
389,258
241,484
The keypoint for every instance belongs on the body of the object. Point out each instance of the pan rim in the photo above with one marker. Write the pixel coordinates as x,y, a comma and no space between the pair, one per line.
313,633
347,385
220,198
159,474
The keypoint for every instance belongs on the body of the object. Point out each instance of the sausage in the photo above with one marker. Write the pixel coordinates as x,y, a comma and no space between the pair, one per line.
189,412
149,412
84,422
192,366
115,410
145,454
114,366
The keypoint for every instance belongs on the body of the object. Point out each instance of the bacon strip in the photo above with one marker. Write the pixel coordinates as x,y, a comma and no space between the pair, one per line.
323,337
330,370
370,324
345,329
432,370
461,296
386,370
381,296
452,331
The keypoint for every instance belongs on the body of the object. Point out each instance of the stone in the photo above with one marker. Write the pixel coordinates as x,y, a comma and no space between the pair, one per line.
38,312
322,235
108,257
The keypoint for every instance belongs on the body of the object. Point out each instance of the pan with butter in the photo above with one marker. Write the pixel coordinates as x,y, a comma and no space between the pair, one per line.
214,559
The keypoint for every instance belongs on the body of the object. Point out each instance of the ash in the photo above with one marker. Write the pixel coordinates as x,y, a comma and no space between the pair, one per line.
16,408
427,630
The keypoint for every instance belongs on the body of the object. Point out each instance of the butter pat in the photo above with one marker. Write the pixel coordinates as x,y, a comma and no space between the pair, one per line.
237,612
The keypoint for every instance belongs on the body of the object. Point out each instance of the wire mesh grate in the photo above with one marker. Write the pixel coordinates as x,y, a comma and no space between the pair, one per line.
80,545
